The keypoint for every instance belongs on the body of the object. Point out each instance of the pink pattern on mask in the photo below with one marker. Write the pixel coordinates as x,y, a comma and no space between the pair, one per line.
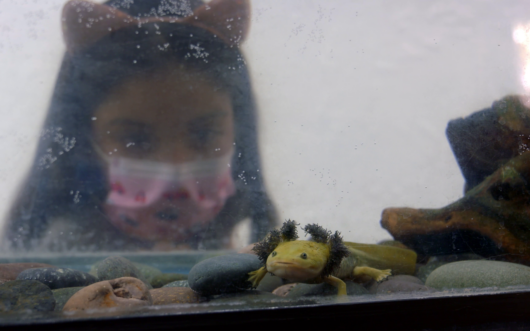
137,183
140,190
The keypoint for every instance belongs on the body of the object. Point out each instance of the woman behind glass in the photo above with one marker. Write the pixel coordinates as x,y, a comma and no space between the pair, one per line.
150,141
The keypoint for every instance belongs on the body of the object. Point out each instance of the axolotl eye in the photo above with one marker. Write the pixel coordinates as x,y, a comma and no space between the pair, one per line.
274,253
303,256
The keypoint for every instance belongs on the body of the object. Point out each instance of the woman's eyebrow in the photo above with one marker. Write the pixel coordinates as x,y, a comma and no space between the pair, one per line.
208,117
128,122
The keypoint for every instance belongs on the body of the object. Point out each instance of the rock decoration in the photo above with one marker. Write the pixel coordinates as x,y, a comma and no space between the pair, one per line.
165,279
399,284
323,289
482,273
62,296
116,267
284,290
492,219
269,283
56,278
147,272
10,271
434,262
125,292
223,274
20,295
488,139
178,283
174,295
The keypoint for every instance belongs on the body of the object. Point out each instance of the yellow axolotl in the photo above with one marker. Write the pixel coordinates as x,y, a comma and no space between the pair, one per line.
326,258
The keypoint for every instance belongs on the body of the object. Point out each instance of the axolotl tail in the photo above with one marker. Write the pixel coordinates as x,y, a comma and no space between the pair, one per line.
400,260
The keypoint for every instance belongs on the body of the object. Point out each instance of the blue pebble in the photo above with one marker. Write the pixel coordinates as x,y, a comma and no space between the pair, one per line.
223,274
56,278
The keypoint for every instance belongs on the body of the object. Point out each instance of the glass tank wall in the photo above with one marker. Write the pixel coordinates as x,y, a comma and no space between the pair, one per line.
184,156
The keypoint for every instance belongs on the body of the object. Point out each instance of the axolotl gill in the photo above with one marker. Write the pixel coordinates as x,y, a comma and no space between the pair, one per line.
326,258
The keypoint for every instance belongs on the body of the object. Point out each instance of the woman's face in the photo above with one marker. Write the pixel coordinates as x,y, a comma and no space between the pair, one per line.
173,116
180,120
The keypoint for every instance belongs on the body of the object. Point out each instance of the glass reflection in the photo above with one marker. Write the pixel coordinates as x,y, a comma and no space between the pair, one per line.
521,37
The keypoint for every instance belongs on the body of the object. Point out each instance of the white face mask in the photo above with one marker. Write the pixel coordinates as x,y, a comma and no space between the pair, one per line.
162,201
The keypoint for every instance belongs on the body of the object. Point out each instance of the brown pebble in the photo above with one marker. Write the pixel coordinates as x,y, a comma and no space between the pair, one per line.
125,292
10,271
283,290
171,295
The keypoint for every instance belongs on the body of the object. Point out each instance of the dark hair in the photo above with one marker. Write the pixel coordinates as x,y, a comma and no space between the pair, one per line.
67,183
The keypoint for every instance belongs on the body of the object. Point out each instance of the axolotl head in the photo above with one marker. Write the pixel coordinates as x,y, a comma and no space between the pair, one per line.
298,260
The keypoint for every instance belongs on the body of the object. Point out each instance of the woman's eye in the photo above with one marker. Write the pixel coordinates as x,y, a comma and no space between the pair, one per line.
137,143
201,138
303,256
144,145
204,131
274,253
